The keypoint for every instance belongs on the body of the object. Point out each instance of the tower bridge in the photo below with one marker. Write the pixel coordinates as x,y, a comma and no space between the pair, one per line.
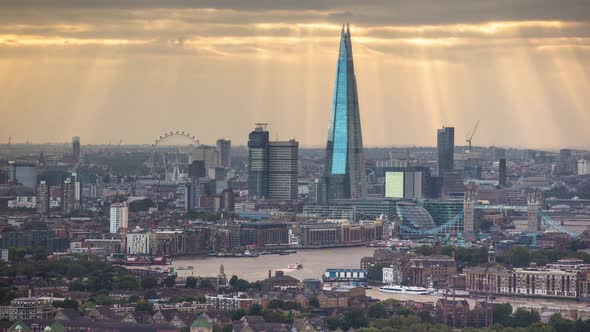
465,221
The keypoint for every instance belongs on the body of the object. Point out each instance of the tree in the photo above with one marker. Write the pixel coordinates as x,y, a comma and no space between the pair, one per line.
238,314
66,304
191,282
560,324
126,282
425,316
518,256
524,317
332,323
255,310
502,313
149,283
170,281
355,318
151,294
206,284
144,305
275,304
314,302
103,299
425,250
405,312
377,310
233,280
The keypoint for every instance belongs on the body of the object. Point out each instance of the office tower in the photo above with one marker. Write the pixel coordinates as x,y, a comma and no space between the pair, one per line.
43,198
344,170
283,158
452,185
471,166
502,173
224,150
68,195
445,149
258,162
227,200
200,194
208,154
76,146
404,184
119,217
197,169
565,154
23,173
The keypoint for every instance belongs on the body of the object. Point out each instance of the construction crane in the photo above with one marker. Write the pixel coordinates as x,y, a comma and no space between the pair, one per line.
470,136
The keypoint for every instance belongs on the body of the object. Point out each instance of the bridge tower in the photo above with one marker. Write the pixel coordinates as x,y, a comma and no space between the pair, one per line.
469,216
534,201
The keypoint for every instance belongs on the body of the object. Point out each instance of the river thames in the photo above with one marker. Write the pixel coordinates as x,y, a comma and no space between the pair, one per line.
316,261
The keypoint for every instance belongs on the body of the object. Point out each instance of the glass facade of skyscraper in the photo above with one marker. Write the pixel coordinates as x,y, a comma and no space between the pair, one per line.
258,162
445,147
345,169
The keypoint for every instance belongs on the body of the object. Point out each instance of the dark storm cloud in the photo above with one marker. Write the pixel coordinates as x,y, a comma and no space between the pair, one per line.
366,12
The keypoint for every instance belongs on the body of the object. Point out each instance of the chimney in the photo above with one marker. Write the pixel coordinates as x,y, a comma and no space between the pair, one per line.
269,274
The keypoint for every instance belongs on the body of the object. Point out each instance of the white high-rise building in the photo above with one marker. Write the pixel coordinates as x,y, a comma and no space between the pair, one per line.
583,167
139,243
283,166
119,216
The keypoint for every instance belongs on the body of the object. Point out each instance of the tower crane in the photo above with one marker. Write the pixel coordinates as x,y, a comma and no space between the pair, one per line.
470,136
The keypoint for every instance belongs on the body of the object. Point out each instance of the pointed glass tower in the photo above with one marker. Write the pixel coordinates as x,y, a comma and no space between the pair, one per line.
344,172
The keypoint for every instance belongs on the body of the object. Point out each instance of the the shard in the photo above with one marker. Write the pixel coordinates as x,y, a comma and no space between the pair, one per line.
344,172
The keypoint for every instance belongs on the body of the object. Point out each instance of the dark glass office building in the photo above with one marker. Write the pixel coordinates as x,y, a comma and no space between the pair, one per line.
345,169
258,162
445,139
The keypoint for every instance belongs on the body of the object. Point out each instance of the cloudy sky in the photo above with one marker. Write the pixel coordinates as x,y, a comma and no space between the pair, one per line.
127,70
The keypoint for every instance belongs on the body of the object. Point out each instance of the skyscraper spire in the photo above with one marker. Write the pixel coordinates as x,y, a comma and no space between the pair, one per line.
344,171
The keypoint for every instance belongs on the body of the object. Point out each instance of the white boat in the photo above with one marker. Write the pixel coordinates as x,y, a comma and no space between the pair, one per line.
399,289
451,293
295,266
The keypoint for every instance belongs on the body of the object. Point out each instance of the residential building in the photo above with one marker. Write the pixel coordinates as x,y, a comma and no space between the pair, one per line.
264,234
27,308
583,167
431,271
43,198
119,217
140,243
564,279
229,302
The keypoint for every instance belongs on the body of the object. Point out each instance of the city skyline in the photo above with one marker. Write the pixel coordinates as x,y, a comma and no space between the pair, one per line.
94,69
